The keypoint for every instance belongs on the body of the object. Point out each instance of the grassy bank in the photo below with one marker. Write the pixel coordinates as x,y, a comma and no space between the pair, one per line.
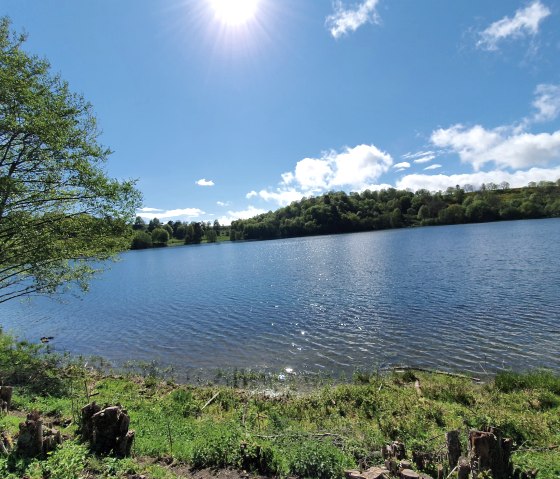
286,432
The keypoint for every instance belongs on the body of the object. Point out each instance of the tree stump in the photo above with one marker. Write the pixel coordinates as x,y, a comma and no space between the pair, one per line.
399,451
409,474
36,440
86,428
453,448
464,468
5,398
30,440
107,430
488,451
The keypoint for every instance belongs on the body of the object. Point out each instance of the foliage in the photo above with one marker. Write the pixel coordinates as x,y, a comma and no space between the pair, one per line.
338,212
141,240
31,366
509,381
312,429
58,208
160,237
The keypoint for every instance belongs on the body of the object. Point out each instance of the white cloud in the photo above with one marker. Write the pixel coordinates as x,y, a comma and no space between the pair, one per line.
181,213
442,182
349,19
435,166
417,154
400,169
424,159
240,215
547,102
402,165
148,210
504,146
353,168
223,203
251,194
526,21
205,182
282,196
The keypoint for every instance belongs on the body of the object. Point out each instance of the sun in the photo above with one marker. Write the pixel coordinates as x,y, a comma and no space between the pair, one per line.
235,12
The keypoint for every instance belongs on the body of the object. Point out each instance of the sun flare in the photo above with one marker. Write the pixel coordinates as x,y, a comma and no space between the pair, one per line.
235,12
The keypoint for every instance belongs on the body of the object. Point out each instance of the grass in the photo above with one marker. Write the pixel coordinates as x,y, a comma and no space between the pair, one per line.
305,432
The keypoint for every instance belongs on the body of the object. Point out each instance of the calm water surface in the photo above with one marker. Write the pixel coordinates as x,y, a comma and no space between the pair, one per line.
468,297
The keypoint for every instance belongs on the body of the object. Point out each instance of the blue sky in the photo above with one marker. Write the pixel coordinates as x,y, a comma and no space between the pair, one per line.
223,112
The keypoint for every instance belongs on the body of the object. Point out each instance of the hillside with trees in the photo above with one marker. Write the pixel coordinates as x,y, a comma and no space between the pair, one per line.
338,212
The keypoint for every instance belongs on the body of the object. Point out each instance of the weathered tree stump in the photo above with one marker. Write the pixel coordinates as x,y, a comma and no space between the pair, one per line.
5,398
376,472
399,451
353,474
422,460
453,448
488,451
86,428
464,468
107,430
30,440
392,466
409,474
34,439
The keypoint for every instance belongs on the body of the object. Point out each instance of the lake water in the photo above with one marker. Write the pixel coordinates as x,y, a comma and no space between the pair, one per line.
468,297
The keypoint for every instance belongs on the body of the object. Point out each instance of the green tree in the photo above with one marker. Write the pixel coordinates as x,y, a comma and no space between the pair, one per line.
139,224
211,236
160,237
153,224
59,211
142,240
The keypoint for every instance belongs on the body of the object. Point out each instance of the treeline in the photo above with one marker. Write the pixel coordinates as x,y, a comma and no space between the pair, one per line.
338,212
157,234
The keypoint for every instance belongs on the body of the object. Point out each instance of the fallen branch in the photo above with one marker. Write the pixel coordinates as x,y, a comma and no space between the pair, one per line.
210,400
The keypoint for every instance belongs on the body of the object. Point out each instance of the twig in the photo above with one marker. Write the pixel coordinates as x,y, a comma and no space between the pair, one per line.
452,471
210,400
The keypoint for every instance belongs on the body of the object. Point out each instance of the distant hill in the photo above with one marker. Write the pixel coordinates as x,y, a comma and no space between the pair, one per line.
338,212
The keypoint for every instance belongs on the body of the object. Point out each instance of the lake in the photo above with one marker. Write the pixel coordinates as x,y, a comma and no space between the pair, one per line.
473,298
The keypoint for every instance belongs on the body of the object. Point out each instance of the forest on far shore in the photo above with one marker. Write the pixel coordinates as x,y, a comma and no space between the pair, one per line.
339,212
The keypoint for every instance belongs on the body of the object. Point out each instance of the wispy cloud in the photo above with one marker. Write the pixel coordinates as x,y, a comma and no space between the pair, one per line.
547,102
148,210
424,159
205,182
348,19
435,166
223,203
180,213
526,21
